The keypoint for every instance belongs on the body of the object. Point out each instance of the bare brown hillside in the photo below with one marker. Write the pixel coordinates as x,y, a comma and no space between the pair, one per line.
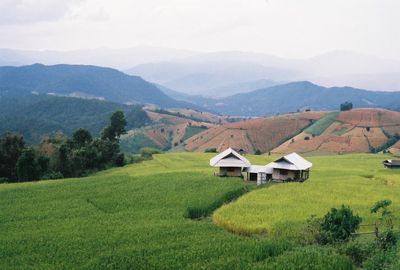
355,131
261,134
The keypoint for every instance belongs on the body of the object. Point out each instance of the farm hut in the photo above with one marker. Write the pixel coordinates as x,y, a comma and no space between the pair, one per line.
260,174
291,167
230,163
391,164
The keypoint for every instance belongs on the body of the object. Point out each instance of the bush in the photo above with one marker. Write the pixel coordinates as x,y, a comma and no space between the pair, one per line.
52,175
210,150
381,260
358,251
338,225
147,152
306,138
3,180
257,152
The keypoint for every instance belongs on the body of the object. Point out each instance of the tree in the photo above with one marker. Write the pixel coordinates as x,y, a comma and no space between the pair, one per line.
81,137
347,106
11,147
338,225
27,167
386,238
116,127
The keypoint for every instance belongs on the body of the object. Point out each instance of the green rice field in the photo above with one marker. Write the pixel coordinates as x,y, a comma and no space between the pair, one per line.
166,214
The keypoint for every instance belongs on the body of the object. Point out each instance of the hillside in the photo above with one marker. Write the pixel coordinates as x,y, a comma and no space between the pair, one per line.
82,81
262,134
135,216
300,96
34,116
169,129
355,131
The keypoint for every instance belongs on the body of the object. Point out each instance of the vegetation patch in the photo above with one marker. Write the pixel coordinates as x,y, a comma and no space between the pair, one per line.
190,131
322,124
204,209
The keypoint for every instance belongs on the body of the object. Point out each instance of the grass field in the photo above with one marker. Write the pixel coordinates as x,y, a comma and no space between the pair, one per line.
281,209
134,217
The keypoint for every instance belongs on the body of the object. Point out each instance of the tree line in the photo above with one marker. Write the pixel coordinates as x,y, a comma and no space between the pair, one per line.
58,156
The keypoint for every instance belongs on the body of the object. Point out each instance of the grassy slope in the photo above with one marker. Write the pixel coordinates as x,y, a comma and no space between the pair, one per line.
355,180
319,127
132,217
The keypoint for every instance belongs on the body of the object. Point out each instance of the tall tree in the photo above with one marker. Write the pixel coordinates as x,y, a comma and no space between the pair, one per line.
27,167
116,127
11,146
81,137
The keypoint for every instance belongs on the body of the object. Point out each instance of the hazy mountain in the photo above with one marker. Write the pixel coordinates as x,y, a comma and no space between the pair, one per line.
204,77
300,96
33,116
117,58
82,81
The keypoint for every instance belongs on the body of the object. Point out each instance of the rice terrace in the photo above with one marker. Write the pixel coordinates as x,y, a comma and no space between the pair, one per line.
137,216
199,135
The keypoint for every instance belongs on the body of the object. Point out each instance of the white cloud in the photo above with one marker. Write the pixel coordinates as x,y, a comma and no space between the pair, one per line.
292,28
32,11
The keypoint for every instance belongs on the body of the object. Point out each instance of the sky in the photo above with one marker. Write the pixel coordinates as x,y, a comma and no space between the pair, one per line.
286,28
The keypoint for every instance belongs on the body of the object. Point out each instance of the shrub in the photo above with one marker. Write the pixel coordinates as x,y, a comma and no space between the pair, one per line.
338,225
210,150
306,138
3,180
147,152
52,175
381,260
257,152
358,251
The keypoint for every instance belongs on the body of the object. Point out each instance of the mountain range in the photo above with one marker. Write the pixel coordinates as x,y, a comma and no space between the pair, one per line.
82,81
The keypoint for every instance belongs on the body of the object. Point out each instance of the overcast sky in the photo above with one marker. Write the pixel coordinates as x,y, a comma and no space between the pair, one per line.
288,28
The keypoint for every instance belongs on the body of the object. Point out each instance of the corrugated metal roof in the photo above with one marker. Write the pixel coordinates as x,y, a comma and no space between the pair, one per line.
293,162
259,168
229,158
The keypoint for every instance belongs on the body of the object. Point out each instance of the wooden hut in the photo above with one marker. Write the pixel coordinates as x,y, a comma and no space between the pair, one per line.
392,164
291,167
230,163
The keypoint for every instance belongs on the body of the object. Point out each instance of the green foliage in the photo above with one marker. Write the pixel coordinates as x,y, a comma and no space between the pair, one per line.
381,260
116,127
258,152
347,106
338,225
36,116
27,166
190,131
81,137
210,150
358,251
392,139
11,147
322,124
148,152
133,144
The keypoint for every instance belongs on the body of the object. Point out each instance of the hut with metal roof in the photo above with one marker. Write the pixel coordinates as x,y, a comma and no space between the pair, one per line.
230,163
391,164
291,167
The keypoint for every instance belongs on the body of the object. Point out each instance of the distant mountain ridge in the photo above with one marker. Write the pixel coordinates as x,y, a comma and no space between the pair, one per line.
81,80
300,96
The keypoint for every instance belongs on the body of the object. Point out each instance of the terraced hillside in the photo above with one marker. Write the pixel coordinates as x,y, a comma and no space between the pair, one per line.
260,134
355,131
169,129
